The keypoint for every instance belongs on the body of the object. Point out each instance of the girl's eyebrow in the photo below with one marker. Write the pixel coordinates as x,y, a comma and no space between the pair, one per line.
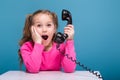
49,21
37,22
46,22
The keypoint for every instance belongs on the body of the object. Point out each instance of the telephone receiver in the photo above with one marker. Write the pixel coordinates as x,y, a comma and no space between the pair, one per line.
59,37
66,15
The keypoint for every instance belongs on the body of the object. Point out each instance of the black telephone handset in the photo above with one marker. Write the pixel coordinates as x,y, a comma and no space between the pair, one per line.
66,15
59,37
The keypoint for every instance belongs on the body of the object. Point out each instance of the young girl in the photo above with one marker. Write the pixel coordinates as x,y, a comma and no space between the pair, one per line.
38,50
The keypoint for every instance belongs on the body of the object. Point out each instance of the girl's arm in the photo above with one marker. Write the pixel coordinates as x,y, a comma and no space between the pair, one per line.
32,56
67,64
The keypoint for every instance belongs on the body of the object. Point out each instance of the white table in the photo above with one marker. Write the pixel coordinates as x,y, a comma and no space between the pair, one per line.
48,75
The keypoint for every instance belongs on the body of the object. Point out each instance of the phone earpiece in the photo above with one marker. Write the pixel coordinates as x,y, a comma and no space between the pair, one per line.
66,15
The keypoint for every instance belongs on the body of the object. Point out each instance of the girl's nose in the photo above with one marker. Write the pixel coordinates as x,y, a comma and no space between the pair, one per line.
44,29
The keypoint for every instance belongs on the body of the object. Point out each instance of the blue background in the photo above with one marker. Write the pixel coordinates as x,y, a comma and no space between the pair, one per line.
97,31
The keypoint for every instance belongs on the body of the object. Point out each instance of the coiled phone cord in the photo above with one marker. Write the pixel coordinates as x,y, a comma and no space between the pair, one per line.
83,66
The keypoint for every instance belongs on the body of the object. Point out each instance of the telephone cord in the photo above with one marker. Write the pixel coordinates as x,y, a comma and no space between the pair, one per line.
81,65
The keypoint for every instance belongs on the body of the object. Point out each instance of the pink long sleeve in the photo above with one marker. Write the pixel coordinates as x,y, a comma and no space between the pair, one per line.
32,56
36,59
67,64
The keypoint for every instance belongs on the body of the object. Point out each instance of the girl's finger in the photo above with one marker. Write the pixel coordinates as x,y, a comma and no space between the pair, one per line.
70,26
32,30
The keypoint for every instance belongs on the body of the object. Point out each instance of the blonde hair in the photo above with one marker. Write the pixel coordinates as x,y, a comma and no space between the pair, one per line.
26,31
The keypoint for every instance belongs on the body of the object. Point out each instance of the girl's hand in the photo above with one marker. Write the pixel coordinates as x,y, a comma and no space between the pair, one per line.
69,29
35,35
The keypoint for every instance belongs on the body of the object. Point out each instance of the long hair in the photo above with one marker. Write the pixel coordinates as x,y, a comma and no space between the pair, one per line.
28,23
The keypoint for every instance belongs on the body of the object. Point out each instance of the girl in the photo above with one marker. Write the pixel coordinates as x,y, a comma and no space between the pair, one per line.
37,48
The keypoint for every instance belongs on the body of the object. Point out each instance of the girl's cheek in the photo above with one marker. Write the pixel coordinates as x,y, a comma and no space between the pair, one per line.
39,32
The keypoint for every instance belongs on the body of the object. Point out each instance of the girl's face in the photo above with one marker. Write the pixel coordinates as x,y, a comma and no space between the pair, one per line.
45,27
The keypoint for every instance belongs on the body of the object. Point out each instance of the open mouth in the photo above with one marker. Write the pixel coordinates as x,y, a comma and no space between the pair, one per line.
45,37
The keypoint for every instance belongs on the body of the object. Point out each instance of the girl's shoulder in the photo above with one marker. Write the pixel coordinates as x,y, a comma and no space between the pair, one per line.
27,44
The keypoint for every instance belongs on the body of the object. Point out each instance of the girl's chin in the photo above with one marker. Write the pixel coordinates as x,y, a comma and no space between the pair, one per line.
46,42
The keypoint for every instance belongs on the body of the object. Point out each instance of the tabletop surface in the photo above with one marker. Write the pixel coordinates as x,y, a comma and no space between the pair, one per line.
48,75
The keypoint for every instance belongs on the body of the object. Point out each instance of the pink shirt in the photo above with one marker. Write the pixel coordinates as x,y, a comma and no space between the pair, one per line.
36,59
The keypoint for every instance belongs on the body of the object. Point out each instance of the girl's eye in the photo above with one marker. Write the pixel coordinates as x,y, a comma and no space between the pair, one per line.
38,25
48,25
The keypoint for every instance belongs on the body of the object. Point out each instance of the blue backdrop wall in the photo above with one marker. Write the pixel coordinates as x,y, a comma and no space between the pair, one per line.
97,31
